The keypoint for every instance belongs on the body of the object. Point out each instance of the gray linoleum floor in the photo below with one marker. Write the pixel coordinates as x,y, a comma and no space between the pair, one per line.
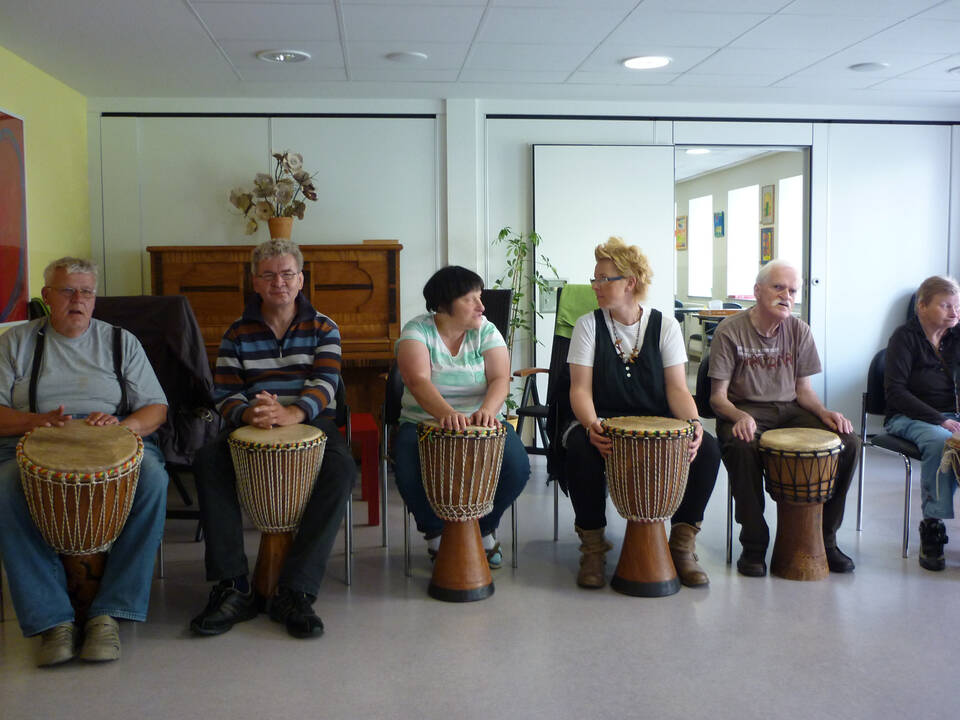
880,643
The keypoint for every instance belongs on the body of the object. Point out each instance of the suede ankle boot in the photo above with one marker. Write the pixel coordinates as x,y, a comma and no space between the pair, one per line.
593,558
682,547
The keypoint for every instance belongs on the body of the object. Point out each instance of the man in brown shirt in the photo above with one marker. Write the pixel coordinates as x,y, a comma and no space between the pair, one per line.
761,361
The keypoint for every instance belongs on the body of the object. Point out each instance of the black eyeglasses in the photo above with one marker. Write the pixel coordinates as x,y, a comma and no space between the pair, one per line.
602,280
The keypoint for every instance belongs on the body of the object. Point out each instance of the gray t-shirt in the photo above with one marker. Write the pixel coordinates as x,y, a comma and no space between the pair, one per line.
76,372
762,369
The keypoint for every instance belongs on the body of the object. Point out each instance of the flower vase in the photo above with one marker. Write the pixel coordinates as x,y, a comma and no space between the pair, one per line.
280,227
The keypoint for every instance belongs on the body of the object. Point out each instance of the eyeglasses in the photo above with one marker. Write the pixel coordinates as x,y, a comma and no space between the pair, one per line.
287,276
603,280
67,293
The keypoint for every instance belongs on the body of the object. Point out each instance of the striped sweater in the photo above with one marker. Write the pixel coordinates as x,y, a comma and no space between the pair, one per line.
302,368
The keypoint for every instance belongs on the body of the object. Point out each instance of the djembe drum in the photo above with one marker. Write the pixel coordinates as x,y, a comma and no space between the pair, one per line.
800,468
276,470
647,475
79,481
460,470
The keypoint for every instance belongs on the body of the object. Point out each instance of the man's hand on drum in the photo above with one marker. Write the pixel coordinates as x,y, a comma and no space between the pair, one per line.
99,418
267,412
484,418
836,421
745,428
598,438
696,441
454,421
54,418
951,425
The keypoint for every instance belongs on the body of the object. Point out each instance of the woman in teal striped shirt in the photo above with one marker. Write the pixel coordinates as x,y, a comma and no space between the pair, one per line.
456,370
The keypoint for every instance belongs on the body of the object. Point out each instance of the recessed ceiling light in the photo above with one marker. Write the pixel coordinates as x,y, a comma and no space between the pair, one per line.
407,56
283,56
698,151
954,70
869,66
646,62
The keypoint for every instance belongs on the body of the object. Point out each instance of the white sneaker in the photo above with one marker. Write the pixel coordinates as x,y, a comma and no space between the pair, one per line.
101,639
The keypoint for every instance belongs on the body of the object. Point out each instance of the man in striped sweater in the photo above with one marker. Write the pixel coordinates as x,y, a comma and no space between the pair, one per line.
278,365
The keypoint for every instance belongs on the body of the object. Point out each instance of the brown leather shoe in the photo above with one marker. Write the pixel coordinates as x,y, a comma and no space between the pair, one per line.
682,546
593,558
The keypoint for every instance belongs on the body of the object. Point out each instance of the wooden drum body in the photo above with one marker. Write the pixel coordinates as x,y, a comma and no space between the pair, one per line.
460,470
647,476
276,470
800,468
79,481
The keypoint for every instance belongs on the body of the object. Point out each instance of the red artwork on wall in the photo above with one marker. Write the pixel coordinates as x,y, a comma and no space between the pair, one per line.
13,221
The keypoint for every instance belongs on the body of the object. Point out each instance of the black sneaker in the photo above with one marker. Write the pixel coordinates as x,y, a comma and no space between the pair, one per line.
933,536
295,610
226,606
838,562
752,563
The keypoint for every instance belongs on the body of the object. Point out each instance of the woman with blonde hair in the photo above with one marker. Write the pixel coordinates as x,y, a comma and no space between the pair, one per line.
627,359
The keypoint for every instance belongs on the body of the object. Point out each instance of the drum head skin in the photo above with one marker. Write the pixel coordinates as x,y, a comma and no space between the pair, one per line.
277,436
646,425
799,440
80,448
432,426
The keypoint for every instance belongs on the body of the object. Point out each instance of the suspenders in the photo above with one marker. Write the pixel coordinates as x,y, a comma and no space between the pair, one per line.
122,409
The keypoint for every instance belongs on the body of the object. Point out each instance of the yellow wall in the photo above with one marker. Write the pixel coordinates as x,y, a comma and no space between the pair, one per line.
55,138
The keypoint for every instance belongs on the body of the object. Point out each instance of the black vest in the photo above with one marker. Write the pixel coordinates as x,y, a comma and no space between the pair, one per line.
644,392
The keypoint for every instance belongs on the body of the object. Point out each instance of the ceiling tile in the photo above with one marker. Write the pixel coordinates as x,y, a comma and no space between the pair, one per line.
505,76
852,80
510,56
403,75
715,6
609,57
284,23
440,56
405,24
936,69
243,53
548,25
919,35
624,78
301,73
920,84
735,61
816,32
624,6
683,29
943,11
759,80
896,9
898,61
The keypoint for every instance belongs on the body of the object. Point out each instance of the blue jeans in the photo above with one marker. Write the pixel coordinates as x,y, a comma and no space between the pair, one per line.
406,456
936,486
38,584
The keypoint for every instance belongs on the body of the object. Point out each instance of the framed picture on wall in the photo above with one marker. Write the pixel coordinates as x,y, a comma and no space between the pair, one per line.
13,221
718,224
766,245
767,202
681,232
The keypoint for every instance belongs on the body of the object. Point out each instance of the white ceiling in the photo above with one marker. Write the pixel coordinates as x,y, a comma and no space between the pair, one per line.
778,51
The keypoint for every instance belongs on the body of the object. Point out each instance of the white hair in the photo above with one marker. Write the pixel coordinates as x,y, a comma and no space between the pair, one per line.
71,265
767,270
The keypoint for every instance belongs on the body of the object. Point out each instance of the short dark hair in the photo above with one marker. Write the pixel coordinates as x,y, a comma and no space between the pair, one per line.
447,284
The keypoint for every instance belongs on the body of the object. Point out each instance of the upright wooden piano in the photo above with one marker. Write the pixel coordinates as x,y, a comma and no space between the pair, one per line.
358,286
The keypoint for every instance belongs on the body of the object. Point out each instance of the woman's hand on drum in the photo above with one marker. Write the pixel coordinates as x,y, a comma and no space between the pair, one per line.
951,425
99,418
597,438
696,441
745,428
454,421
484,418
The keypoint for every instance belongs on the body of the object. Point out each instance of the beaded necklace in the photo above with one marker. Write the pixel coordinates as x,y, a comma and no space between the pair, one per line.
626,359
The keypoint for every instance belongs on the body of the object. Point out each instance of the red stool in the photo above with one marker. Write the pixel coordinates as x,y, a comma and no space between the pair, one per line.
365,431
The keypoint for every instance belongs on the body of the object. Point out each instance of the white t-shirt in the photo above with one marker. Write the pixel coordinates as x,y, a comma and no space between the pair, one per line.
582,342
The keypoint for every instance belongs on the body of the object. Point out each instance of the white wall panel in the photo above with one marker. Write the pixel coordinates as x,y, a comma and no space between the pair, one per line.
888,229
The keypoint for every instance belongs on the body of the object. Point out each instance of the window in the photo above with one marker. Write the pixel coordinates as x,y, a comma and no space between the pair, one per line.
743,240
789,240
700,247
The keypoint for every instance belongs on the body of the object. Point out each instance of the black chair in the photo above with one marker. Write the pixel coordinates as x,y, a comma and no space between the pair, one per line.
702,399
705,337
678,316
497,305
874,403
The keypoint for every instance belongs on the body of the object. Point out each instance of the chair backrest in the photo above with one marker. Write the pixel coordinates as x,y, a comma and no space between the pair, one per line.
393,396
702,395
167,328
875,401
678,316
912,307
732,306
496,303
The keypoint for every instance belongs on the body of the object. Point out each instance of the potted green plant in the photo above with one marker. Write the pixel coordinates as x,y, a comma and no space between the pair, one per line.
524,278
276,198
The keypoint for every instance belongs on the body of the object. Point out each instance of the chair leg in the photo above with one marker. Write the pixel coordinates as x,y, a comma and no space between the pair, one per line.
2,611
383,503
348,542
729,521
406,541
160,573
556,510
908,476
513,520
